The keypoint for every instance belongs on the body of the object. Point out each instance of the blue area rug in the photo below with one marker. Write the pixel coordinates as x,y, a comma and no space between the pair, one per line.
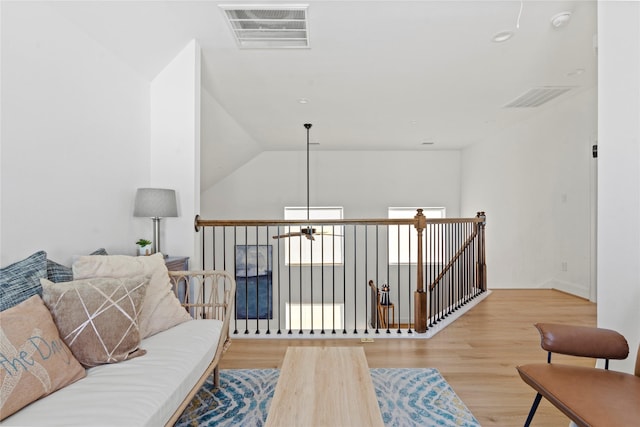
407,397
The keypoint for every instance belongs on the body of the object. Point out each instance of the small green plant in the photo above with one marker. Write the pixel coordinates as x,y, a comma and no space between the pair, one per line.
143,242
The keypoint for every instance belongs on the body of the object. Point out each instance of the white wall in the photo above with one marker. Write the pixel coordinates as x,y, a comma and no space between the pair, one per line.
75,139
533,181
364,183
619,172
175,148
224,141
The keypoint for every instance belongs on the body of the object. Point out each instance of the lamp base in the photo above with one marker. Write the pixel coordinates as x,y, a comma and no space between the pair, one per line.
156,235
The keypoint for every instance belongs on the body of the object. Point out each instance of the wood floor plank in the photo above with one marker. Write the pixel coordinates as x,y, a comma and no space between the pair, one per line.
477,354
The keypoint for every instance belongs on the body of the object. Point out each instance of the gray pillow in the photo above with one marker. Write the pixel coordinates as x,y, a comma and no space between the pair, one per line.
58,273
21,280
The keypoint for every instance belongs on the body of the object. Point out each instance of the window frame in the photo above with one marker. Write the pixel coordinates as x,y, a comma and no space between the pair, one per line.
393,231
333,243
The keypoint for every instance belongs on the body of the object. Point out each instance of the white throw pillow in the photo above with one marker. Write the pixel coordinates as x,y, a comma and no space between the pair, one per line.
161,309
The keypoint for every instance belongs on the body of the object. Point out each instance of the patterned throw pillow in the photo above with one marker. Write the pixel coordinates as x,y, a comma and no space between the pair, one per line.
35,361
21,280
58,273
98,318
61,273
161,309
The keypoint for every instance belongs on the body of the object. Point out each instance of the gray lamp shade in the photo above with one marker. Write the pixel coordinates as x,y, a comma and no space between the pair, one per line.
155,203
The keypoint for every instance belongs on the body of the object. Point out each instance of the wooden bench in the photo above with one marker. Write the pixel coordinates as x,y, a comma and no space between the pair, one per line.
588,396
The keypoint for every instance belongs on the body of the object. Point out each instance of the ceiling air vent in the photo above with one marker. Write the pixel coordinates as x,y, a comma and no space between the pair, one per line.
268,26
537,96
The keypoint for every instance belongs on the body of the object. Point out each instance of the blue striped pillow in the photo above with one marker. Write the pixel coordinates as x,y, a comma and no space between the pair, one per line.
21,280
58,273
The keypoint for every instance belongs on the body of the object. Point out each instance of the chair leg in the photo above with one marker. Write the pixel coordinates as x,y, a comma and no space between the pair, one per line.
534,407
216,377
381,320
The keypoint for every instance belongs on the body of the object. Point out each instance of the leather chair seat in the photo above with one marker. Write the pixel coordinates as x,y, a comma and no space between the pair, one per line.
589,396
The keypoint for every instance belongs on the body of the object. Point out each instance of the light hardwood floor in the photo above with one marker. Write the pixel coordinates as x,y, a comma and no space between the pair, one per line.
477,354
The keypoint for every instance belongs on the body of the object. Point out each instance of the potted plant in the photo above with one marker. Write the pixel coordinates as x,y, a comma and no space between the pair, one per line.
144,247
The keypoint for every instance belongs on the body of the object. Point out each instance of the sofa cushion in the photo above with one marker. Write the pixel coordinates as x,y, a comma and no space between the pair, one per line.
21,280
61,273
35,360
98,318
143,392
161,309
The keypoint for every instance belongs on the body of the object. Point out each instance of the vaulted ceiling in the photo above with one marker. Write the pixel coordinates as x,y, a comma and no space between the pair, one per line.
377,75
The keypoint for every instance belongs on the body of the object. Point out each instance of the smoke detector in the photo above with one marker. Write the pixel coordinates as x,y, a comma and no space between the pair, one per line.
268,26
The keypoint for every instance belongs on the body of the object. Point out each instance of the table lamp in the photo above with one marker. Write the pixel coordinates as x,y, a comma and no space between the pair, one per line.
155,203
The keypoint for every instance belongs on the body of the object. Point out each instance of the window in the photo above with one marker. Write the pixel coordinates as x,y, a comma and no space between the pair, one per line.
327,316
405,237
326,247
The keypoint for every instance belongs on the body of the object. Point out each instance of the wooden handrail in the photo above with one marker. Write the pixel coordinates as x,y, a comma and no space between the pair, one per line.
274,222
480,221
453,260
421,297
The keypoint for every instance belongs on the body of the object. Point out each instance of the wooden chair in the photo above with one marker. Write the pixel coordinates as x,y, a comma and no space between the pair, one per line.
374,307
379,312
590,397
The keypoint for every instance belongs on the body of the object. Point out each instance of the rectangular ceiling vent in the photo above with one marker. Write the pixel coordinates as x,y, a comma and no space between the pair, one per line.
537,96
268,26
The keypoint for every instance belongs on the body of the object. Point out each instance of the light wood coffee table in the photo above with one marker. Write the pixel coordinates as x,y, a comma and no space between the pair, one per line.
324,386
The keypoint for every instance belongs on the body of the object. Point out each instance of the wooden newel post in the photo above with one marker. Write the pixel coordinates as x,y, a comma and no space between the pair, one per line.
420,296
481,270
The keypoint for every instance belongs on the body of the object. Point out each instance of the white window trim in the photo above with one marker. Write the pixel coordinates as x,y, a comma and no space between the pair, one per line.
393,230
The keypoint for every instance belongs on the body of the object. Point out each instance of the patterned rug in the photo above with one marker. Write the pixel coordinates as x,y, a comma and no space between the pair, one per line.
407,397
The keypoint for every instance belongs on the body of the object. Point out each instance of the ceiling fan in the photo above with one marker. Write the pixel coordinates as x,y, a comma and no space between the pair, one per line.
309,232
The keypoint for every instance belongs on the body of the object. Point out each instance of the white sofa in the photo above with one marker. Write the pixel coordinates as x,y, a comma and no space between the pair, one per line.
154,389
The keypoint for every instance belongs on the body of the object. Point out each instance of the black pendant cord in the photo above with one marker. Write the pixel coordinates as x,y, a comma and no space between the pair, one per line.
308,126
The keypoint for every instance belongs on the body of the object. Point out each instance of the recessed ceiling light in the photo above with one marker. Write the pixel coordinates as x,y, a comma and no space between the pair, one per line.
560,19
303,101
502,36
